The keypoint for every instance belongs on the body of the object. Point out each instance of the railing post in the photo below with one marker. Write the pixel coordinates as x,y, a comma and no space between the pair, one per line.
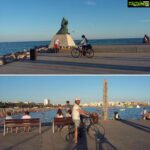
4,129
53,127
40,126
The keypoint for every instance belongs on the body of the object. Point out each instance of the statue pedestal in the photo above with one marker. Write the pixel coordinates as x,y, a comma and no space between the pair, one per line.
66,41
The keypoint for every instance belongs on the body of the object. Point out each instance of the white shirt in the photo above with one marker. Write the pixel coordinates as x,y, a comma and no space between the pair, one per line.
84,41
26,117
68,115
145,111
8,117
75,112
59,116
57,42
117,116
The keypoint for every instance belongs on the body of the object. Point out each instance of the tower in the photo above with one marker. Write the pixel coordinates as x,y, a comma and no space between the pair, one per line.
46,102
105,100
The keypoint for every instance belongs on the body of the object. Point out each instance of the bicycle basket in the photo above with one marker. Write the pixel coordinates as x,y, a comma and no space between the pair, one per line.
94,117
89,46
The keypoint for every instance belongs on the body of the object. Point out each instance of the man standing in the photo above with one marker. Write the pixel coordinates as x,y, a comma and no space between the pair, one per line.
76,111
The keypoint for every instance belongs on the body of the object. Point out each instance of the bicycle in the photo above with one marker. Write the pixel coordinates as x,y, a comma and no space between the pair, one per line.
79,51
88,125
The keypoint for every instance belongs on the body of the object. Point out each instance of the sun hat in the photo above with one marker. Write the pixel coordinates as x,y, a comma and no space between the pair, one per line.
77,99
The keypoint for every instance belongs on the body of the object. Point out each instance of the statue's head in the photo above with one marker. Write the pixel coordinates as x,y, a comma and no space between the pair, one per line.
64,22
83,36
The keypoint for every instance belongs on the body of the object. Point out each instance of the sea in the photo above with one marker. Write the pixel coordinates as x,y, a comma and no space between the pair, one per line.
12,47
125,113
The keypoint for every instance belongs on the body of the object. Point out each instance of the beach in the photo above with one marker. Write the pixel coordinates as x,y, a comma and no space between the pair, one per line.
116,59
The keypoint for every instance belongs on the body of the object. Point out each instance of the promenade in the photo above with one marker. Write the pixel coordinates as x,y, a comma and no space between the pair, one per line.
63,63
119,135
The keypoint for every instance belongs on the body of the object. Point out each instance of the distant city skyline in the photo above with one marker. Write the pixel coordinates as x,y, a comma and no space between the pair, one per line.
36,20
61,88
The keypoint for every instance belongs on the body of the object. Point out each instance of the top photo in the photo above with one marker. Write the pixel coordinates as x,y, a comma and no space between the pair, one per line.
74,37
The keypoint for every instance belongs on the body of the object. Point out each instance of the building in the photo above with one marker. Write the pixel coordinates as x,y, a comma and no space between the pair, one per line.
46,102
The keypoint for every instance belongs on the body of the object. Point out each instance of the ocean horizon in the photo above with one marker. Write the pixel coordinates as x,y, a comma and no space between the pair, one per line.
12,47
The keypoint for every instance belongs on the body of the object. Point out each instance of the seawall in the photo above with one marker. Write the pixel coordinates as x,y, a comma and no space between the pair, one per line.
122,48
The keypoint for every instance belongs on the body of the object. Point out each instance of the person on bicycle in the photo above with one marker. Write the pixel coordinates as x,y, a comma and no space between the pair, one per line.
84,42
76,112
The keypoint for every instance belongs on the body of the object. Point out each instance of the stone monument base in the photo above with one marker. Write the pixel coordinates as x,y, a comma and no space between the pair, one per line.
66,41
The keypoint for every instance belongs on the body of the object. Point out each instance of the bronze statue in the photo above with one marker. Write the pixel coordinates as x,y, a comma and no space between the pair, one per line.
64,27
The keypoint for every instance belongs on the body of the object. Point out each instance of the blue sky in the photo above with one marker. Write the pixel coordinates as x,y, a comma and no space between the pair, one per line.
62,88
28,20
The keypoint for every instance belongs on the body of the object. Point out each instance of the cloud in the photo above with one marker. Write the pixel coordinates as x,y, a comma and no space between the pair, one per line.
145,20
90,2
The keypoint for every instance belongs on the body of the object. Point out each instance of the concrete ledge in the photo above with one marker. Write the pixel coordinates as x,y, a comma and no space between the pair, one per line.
122,48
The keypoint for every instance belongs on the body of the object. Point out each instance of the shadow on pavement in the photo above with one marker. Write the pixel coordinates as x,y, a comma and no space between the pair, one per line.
93,65
82,143
102,143
136,125
25,140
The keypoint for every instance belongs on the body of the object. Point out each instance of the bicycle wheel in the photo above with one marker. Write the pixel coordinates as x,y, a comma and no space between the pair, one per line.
75,53
92,131
101,131
89,53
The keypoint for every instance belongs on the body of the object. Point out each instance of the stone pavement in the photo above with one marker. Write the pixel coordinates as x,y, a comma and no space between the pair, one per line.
119,135
63,63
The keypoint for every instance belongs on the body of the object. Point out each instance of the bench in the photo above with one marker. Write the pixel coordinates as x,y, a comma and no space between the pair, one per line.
14,123
61,122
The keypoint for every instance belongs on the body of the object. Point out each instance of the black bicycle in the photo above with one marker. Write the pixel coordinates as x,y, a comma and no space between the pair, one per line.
87,125
79,51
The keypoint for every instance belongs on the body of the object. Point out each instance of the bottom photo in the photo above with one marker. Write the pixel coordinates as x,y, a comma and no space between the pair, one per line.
69,112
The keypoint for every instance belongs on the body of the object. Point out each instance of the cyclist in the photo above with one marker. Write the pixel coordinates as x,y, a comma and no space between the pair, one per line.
84,42
76,111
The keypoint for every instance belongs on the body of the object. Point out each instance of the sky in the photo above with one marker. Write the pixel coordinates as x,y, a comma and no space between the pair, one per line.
39,20
61,88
